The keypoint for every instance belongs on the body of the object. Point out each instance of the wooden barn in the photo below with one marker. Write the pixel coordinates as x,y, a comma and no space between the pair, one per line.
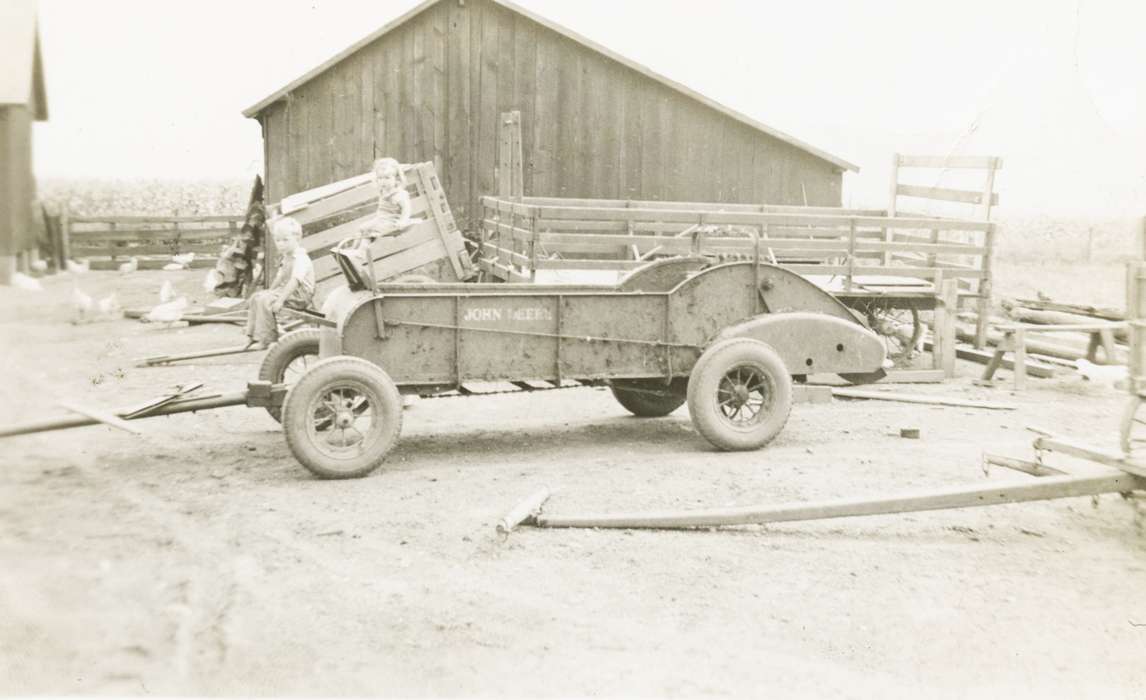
431,85
22,101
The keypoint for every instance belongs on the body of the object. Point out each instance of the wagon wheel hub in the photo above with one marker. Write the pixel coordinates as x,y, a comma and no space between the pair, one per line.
740,394
344,419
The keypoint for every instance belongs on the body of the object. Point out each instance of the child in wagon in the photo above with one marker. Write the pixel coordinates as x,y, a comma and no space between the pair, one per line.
293,286
393,214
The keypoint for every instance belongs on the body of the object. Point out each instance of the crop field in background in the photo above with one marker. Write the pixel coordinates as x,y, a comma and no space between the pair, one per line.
1073,259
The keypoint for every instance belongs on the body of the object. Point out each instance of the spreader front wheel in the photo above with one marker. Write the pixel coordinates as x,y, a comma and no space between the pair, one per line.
739,394
288,359
342,418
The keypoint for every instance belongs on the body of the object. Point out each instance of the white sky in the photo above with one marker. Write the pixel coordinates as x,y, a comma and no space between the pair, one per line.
149,88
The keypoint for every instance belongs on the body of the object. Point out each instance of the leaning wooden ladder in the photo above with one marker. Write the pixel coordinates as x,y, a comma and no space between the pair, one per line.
983,199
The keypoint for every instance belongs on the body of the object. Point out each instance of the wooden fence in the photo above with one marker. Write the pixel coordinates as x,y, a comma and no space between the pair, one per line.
108,241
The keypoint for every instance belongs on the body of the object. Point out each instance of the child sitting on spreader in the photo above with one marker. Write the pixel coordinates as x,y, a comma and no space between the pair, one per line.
293,286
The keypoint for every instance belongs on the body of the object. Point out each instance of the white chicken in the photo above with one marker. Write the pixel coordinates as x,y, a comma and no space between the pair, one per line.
39,265
169,312
166,292
28,284
211,281
109,308
82,304
183,259
1110,375
78,268
130,266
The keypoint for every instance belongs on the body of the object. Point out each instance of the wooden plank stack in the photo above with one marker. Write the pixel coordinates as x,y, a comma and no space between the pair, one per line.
1045,337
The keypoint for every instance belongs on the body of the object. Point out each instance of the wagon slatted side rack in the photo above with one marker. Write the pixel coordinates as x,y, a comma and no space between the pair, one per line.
872,262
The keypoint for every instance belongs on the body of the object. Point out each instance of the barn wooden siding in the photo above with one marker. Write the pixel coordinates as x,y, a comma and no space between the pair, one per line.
433,87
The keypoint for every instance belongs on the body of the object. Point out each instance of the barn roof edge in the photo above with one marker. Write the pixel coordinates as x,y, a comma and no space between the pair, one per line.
257,108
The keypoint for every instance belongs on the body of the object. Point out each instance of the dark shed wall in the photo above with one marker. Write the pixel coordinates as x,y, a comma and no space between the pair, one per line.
432,89
17,184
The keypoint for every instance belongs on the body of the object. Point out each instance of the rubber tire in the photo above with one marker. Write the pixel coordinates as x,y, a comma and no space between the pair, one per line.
371,380
646,405
705,379
289,348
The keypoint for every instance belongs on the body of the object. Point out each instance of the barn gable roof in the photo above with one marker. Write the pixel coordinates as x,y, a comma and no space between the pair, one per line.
21,69
259,106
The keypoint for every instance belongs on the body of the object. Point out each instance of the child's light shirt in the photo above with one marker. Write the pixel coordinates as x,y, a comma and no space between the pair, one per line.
301,269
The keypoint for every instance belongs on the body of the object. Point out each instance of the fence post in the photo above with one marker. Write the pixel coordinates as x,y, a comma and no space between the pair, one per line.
111,227
851,254
949,297
533,247
509,172
64,224
985,287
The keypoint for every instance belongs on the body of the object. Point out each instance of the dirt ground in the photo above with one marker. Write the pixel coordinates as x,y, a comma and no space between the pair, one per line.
201,559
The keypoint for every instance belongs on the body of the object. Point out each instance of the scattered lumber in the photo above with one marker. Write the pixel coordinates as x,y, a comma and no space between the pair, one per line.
1103,312
1110,458
1019,465
1064,349
194,319
922,399
188,404
146,407
528,509
893,376
1034,367
100,416
1042,489
1061,318
157,360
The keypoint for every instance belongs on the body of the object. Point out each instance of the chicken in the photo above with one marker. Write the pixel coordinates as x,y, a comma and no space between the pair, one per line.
212,281
183,259
82,304
29,284
78,268
166,292
169,312
109,307
1111,375
130,266
39,265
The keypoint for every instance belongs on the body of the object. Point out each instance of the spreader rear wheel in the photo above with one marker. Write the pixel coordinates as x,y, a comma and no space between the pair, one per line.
342,418
739,394
288,359
647,403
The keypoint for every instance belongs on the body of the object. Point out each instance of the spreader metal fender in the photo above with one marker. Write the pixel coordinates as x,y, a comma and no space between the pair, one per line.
810,343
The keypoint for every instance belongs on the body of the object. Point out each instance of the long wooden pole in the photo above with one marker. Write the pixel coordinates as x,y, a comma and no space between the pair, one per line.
181,406
1044,488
